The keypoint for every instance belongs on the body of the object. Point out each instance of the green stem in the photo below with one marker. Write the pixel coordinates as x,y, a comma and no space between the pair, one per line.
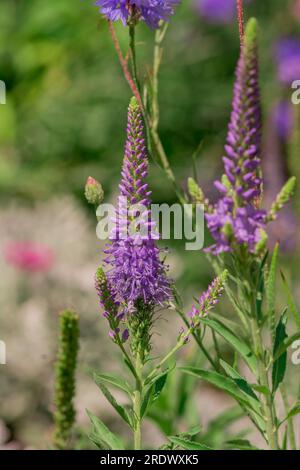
199,341
133,54
291,431
137,401
157,55
271,429
168,356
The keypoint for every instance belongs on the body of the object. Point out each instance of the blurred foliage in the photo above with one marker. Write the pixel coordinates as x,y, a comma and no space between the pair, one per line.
67,99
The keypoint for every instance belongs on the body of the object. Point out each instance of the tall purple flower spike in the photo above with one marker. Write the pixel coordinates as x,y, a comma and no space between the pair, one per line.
136,272
236,216
149,11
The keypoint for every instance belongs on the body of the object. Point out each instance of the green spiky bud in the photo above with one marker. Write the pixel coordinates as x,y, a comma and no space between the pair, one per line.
140,325
261,245
225,181
227,229
284,196
94,193
65,382
197,195
104,293
251,36
195,192
209,299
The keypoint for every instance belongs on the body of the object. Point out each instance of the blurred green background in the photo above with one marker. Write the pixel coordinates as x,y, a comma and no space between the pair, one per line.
64,120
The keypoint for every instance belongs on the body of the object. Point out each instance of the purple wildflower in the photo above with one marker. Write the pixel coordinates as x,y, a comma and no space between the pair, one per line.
236,216
150,11
209,299
110,307
217,11
137,273
284,119
288,59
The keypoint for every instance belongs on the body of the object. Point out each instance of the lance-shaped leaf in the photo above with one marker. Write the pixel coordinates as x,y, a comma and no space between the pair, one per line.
239,345
279,365
271,289
102,436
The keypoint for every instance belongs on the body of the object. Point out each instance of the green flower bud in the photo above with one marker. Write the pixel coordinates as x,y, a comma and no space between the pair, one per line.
282,198
261,246
195,192
93,191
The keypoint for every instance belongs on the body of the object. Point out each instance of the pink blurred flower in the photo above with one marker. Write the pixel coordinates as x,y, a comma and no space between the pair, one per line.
29,256
296,9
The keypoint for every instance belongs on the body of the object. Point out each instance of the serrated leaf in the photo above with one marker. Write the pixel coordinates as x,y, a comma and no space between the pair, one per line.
279,365
187,444
123,412
102,436
240,346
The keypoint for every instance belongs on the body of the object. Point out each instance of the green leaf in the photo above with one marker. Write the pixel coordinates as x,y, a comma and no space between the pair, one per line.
291,302
239,345
240,381
154,391
123,412
260,289
279,365
224,383
286,343
187,444
114,381
293,412
260,389
241,444
271,286
102,436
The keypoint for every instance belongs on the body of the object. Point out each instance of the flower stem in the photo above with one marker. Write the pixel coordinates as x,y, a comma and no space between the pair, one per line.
291,430
137,399
133,54
271,430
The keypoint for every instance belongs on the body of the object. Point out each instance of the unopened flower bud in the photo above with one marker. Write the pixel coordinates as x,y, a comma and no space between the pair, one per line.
284,196
93,191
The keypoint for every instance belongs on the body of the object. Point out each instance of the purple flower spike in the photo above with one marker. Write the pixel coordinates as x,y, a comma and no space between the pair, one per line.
209,299
149,11
236,217
136,271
